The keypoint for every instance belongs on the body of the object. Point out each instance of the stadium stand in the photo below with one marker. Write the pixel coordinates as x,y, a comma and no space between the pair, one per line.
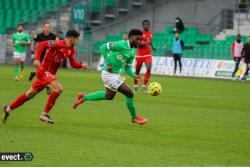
196,45
12,12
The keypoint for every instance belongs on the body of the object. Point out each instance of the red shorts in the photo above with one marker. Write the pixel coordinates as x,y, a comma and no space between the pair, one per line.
43,78
143,59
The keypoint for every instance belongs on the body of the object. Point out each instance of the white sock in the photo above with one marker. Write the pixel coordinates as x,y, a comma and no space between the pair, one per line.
8,109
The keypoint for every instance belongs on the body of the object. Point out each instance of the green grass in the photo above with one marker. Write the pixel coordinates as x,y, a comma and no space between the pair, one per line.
193,122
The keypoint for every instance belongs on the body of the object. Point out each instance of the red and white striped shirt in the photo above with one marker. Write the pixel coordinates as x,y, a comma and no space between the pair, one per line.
236,49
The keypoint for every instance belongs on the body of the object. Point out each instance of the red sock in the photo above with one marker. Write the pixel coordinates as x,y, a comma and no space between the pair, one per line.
135,81
18,101
138,66
146,78
51,101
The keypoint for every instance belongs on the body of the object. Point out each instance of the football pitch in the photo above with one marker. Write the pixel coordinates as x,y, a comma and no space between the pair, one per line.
193,122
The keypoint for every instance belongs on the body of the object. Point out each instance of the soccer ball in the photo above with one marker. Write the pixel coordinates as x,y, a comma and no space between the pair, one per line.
154,89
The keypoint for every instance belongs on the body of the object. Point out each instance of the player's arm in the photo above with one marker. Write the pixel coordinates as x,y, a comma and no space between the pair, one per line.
129,71
32,49
27,40
41,46
243,52
33,43
153,48
73,62
128,68
233,48
182,45
105,49
33,46
151,43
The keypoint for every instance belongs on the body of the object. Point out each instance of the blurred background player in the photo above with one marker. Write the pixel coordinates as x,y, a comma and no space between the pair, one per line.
178,46
237,47
44,36
123,72
120,53
179,25
60,35
58,50
20,41
246,55
143,55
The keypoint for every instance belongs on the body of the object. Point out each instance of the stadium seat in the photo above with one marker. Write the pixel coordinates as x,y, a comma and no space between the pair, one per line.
14,12
199,45
95,5
110,3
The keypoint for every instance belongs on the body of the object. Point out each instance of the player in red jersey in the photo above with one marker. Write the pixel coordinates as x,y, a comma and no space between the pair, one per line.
58,50
143,55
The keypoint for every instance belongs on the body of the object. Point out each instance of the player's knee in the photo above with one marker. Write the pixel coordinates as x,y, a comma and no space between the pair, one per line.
30,95
59,90
130,94
109,97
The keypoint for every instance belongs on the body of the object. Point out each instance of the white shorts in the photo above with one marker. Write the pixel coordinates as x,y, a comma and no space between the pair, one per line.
112,81
21,56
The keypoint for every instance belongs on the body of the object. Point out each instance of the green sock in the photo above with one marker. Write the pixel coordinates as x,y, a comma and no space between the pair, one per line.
17,70
99,95
131,106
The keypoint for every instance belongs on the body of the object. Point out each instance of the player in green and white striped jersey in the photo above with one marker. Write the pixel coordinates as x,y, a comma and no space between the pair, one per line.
20,40
117,54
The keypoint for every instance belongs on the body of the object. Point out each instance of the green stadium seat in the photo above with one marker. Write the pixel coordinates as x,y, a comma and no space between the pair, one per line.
169,30
63,2
7,4
95,5
110,3
13,12
96,46
2,30
163,41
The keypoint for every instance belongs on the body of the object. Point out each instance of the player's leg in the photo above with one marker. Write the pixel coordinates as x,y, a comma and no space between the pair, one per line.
125,90
138,65
56,89
175,63
32,73
17,62
20,100
112,83
21,69
180,63
237,62
248,67
147,75
95,96
244,78
22,60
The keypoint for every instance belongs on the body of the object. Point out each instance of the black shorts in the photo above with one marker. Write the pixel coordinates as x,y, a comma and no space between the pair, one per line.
247,60
177,57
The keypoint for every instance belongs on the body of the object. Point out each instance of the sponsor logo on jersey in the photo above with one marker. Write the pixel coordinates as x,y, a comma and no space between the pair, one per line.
52,42
120,58
110,44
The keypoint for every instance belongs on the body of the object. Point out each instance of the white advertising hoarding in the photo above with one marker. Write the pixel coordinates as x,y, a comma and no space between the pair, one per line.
192,67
